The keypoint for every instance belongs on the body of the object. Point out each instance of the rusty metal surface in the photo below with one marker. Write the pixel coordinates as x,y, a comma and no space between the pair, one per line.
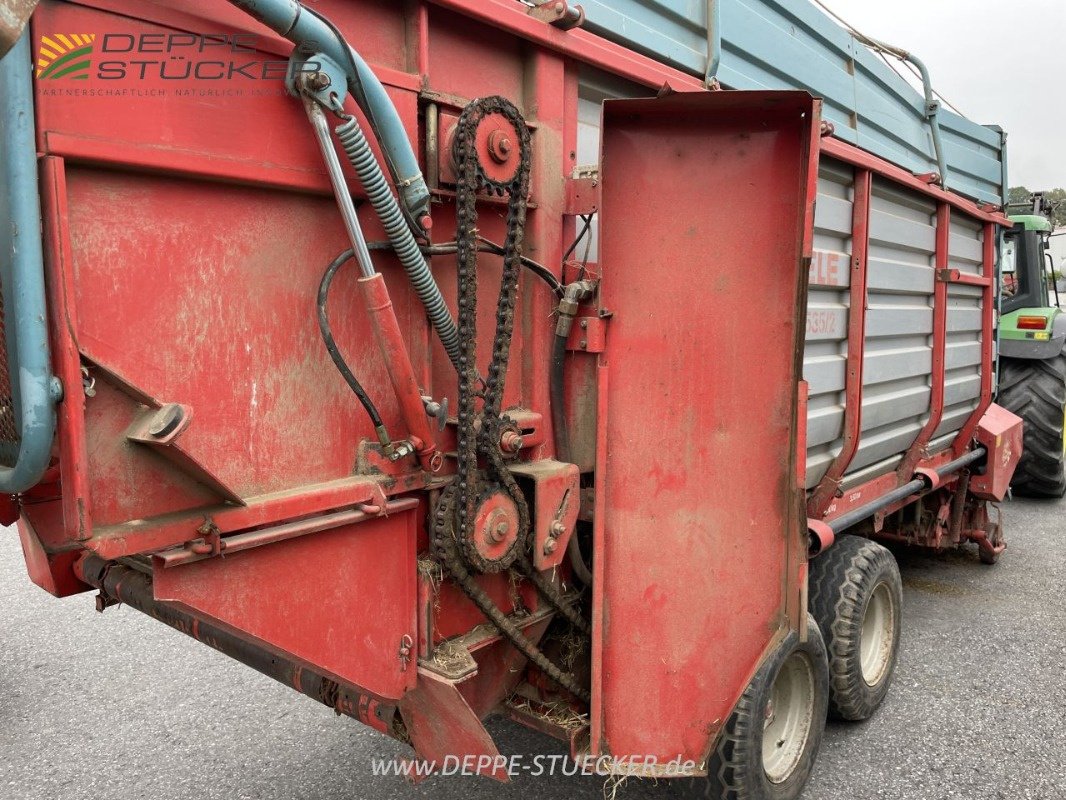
13,17
700,572
185,240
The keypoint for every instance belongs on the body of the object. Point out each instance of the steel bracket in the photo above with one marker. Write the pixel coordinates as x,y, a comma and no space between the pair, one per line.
557,500
559,14
582,195
588,335
160,430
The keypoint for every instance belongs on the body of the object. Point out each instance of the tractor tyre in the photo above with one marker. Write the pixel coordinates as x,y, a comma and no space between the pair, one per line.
856,595
768,746
1036,392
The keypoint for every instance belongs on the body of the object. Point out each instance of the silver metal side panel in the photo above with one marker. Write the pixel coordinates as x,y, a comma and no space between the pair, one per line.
791,44
897,370
826,348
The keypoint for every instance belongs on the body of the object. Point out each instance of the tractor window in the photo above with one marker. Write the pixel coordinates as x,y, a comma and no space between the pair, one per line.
1023,268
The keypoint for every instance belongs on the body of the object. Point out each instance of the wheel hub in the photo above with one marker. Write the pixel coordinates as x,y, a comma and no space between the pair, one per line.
878,635
788,718
496,141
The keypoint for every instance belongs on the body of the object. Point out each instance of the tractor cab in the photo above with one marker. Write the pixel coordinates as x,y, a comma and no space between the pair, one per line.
1028,271
1032,348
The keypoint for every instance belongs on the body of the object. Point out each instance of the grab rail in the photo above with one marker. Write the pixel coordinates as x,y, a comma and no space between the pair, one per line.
27,414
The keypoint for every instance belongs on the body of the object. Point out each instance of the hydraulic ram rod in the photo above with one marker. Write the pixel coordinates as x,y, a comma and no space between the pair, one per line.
133,588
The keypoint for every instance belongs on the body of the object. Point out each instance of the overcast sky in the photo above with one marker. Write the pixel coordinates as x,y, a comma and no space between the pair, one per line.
998,62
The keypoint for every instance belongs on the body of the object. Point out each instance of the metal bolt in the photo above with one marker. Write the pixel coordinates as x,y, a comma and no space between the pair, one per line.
319,81
511,442
557,529
584,343
584,323
499,147
498,533
549,546
166,420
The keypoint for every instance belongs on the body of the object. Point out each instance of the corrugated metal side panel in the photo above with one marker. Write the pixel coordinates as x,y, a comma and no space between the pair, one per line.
826,349
790,44
899,326
962,356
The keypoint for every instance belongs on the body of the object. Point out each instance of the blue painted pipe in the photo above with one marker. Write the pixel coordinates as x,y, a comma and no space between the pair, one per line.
33,387
311,33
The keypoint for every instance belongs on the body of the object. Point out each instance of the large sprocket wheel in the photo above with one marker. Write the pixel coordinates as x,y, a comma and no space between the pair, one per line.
497,144
494,541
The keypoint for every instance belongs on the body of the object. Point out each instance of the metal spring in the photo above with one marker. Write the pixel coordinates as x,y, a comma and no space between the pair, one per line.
381,198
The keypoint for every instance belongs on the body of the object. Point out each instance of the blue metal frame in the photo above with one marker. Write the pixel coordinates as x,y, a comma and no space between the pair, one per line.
34,389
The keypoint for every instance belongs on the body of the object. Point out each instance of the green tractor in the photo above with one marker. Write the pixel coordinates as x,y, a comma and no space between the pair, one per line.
1032,349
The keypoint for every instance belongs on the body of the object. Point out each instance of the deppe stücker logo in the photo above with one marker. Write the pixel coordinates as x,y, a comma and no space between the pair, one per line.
172,56
65,55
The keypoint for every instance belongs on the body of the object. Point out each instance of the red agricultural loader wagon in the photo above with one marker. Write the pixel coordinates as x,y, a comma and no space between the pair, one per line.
330,352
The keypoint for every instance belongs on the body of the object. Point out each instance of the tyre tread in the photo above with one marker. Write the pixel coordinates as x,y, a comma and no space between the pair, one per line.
834,582
1036,392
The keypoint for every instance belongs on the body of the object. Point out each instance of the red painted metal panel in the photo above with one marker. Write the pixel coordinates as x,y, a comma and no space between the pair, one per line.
212,305
701,510
442,725
860,158
577,44
1000,432
343,599
145,114
70,429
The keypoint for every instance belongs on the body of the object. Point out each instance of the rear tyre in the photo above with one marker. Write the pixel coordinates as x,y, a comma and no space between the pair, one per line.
768,746
856,595
1036,392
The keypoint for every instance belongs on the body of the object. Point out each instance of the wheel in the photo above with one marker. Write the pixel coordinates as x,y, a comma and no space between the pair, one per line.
1036,392
768,746
856,595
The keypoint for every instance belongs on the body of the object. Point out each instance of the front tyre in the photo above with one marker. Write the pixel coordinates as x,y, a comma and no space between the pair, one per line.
768,746
856,596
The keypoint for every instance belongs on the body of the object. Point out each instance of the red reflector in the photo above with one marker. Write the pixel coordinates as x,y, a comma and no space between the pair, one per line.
1032,323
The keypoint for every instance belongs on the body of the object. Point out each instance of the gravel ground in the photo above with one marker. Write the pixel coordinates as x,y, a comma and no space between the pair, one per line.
120,706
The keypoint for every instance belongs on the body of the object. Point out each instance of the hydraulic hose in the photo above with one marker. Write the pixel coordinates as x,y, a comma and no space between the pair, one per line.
334,351
403,241
573,294
562,437
555,388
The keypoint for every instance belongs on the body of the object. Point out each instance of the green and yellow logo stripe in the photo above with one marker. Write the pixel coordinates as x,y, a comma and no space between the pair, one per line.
65,55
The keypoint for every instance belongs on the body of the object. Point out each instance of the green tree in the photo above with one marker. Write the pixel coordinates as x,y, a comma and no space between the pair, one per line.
1021,194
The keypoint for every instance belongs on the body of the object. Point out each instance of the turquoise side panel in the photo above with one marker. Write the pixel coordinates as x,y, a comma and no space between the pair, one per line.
791,44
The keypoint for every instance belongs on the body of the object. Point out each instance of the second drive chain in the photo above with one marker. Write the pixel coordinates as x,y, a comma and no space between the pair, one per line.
453,516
